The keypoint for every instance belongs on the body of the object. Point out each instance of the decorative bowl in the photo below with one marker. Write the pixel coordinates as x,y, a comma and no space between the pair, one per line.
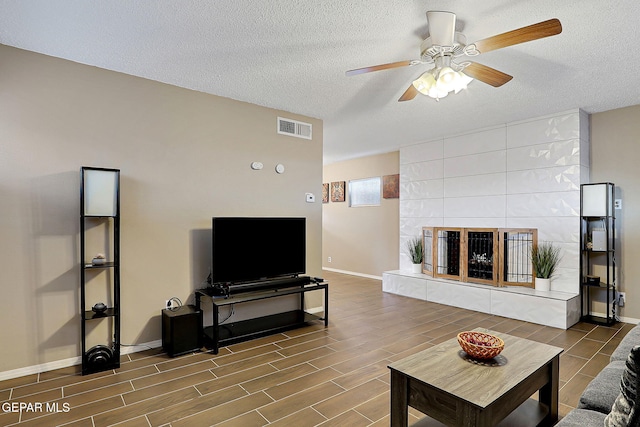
98,261
480,345
99,308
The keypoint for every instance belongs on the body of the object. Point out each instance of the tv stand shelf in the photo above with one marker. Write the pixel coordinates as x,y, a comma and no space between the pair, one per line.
219,335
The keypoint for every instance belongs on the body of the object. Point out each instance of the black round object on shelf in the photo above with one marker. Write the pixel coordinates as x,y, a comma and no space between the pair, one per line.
99,356
99,308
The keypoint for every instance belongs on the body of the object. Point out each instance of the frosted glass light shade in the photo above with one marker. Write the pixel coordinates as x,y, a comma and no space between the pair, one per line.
100,192
438,82
597,199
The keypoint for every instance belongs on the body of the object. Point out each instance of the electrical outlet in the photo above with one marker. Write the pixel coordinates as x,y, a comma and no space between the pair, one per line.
621,299
617,204
328,259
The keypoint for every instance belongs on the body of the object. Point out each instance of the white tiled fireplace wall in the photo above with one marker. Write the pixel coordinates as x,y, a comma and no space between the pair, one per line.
522,174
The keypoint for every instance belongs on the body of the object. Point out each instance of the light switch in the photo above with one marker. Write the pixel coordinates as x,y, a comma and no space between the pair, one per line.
311,198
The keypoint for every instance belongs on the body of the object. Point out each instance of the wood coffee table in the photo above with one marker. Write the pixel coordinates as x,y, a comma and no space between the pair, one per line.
445,384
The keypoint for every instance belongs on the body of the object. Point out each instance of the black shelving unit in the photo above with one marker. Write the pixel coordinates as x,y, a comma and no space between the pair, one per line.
220,334
100,207
597,252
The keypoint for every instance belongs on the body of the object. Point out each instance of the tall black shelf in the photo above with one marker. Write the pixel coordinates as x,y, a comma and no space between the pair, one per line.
100,206
597,252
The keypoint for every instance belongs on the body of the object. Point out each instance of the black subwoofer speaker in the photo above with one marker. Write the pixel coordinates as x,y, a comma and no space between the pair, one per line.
181,330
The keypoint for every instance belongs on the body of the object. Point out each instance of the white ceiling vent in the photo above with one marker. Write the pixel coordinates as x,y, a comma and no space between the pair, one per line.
294,128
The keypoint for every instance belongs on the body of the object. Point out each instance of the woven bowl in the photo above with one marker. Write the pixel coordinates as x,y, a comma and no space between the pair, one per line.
479,345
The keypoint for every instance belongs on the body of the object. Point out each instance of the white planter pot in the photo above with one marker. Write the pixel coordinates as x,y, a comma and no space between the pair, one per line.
417,268
543,284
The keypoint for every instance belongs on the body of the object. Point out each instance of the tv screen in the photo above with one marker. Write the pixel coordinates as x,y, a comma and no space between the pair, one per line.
249,249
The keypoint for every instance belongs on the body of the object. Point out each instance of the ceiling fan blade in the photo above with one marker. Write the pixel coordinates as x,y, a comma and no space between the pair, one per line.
521,35
408,94
442,27
380,67
487,75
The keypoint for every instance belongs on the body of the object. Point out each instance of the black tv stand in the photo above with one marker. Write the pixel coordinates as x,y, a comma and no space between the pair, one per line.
219,335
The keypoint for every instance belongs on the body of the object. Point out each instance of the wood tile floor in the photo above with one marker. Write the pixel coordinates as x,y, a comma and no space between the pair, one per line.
312,376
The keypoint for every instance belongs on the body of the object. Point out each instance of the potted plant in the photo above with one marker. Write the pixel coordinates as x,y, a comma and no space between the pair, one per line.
544,259
416,253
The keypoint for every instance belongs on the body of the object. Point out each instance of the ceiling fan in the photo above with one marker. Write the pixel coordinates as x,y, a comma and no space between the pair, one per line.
445,46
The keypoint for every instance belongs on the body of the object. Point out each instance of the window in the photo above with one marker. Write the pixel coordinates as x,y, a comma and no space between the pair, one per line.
364,192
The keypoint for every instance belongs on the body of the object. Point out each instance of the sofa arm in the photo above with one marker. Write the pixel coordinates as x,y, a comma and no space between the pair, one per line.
582,418
629,341
603,390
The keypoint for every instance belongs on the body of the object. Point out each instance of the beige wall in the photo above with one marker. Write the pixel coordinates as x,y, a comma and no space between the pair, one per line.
615,157
184,157
362,240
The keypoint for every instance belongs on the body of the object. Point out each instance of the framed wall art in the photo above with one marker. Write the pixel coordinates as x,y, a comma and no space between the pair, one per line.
391,186
338,191
325,192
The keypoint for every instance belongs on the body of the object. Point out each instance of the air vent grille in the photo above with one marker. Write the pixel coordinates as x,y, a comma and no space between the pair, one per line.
294,128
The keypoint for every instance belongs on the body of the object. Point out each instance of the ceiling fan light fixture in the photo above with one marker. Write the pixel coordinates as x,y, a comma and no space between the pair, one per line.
438,82
464,80
425,82
448,79
445,45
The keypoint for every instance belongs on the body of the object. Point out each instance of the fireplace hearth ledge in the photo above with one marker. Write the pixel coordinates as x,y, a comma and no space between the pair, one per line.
549,308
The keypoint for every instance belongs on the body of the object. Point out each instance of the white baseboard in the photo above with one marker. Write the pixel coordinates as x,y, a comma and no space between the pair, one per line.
65,363
353,273
622,319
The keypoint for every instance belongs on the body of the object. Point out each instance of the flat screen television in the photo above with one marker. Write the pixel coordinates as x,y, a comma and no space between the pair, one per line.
250,248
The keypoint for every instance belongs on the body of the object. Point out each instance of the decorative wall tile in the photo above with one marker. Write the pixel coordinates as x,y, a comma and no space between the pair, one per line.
475,222
561,153
422,152
388,282
556,309
549,312
480,207
430,189
463,296
476,142
558,229
429,208
413,226
484,185
523,175
477,164
566,178
556,128
414,287
544,204
570,256
422,171
565,279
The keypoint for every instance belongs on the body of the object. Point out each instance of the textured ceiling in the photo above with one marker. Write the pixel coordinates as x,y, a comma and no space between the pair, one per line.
292,55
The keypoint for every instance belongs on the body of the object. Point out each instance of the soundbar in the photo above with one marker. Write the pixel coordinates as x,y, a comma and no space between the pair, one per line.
229,289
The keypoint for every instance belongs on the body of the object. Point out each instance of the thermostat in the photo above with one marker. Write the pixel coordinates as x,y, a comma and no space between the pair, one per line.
280,168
